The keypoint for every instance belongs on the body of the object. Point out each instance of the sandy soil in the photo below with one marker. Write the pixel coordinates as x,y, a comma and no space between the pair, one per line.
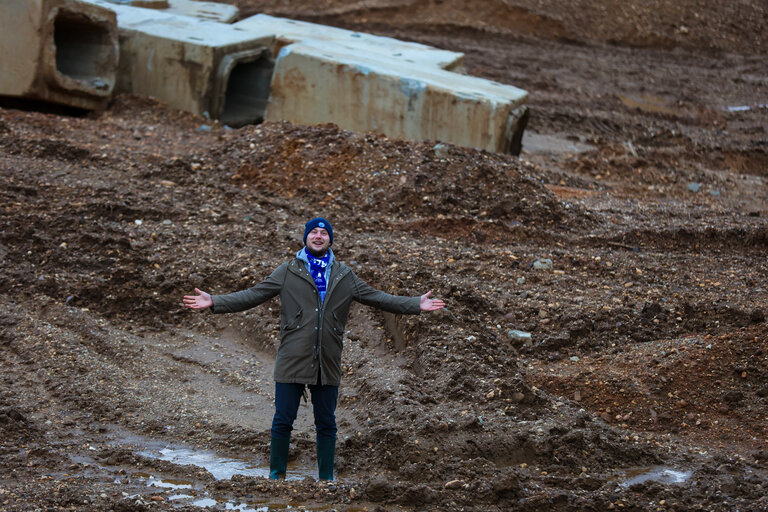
629,240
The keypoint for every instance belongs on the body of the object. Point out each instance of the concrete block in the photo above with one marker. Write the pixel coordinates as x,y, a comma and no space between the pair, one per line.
59,51
196,65
361,92
212,11
398,52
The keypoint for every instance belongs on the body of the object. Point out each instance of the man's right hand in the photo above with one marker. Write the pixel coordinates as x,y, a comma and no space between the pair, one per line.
201,301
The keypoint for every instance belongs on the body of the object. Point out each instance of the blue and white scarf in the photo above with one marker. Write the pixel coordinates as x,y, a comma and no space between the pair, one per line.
317,268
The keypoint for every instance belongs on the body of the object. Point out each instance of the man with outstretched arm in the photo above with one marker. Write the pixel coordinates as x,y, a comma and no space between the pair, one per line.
315,291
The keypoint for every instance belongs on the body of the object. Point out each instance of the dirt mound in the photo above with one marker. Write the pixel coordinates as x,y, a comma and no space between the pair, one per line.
396,180
684,388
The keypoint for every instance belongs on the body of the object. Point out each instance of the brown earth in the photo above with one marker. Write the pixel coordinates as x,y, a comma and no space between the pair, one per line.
648,335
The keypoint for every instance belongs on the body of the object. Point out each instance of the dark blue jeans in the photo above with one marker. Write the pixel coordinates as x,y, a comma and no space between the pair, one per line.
287,399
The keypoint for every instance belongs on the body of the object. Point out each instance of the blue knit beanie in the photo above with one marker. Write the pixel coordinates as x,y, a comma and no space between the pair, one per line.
318,222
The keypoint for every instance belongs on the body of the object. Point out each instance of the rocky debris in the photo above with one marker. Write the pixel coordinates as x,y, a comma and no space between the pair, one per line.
646,333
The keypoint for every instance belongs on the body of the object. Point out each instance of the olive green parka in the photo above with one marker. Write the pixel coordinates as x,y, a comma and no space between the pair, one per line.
311,332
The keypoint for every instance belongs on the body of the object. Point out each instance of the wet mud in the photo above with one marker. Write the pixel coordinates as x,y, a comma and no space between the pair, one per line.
604,344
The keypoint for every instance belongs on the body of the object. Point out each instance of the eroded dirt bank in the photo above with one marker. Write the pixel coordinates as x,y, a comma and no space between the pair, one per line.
629,240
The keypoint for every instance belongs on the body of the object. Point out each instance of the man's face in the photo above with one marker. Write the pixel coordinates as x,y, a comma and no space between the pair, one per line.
318,241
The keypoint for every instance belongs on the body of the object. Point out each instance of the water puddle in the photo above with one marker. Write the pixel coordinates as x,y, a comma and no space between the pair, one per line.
744,108
204,501
174,497
240,507
183,493
221,467
153,481
661,475
209,503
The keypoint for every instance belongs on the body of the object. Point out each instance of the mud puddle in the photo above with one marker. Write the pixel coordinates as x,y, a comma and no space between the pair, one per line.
186,500
164,483
199,498
221,467
745,108
662,475
188,491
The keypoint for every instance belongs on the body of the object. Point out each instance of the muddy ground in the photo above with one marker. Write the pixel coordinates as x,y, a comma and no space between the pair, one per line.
628,239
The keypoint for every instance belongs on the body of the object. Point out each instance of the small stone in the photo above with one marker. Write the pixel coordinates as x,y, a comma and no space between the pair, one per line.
441,150
694,187
543,264
519,335
454,484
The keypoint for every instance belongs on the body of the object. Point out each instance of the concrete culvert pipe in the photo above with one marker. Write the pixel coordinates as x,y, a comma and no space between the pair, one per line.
200,66
58,51
247,88
85,50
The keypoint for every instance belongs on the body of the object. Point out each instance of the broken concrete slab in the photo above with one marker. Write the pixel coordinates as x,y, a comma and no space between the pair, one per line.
288,31
361,92
58,51
212,11
200,66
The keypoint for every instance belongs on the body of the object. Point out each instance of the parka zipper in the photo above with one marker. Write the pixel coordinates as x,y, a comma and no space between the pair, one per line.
319,325
320,312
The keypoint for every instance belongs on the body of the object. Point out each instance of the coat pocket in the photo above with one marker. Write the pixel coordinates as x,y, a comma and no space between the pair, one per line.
338,327
293,323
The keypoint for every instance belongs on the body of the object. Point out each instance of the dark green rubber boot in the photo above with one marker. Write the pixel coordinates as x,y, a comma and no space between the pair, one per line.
326,451
278,457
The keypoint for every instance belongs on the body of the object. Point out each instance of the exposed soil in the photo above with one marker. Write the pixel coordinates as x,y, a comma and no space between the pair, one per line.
639,181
